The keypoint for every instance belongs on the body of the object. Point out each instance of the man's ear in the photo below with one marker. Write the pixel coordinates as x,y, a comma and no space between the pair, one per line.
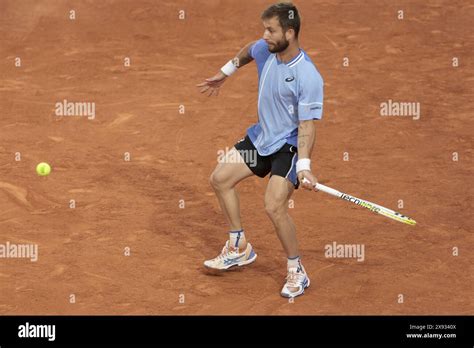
290,33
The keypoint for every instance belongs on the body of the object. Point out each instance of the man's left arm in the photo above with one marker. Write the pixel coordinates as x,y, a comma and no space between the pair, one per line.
306,138
310,108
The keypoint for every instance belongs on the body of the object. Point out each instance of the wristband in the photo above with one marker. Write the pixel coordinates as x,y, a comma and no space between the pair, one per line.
229,68
303,164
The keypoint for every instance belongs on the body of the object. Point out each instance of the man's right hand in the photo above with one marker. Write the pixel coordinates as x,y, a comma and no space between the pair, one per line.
212,85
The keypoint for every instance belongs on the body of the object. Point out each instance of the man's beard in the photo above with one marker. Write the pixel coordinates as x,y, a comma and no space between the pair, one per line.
279,46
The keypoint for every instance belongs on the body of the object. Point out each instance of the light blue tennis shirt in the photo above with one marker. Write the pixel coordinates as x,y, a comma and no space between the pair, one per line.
287,93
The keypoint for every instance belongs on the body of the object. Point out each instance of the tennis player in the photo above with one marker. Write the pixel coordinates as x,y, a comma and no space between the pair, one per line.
290,98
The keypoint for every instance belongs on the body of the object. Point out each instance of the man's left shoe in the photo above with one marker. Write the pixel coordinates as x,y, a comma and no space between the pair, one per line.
296,281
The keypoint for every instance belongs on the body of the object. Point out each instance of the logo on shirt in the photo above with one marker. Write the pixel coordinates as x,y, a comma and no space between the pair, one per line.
315,108
289,79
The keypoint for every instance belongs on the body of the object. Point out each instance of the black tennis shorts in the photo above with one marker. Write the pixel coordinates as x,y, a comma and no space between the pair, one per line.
281,163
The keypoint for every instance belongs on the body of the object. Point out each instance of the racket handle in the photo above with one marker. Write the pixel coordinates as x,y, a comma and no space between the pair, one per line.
329,190
325,189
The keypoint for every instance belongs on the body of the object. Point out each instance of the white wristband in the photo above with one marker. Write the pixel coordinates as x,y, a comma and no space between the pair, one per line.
229,68
303,164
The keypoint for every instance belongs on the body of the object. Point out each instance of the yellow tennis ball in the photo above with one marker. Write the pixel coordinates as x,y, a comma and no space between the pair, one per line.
43,169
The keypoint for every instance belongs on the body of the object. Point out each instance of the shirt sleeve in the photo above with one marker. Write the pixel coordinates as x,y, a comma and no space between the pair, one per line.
259,51
310,98
259,47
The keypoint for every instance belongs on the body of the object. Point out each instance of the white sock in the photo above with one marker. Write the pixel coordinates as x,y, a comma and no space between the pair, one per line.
237,238
294,262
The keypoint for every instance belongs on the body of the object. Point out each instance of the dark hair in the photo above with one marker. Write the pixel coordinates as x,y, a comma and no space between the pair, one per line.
287,14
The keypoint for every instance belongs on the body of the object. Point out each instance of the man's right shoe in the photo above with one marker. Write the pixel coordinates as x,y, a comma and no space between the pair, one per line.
231,257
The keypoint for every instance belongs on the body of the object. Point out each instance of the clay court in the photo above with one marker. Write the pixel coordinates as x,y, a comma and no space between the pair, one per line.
159,204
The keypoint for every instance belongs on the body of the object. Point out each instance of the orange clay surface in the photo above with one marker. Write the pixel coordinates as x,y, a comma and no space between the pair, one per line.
136,204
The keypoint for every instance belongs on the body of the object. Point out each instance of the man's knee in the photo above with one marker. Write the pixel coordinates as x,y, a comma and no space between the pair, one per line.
217,180
274,208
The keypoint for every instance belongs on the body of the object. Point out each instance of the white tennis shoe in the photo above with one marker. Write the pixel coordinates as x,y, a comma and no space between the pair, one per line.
296,281
230,257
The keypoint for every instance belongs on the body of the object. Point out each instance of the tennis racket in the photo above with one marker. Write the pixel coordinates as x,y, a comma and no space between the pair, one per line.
366,204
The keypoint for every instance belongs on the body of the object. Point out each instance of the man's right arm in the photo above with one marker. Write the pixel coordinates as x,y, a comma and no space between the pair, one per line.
242,58
211,85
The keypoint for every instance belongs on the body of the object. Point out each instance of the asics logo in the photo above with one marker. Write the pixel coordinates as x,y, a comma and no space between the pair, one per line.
289,79
232,261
